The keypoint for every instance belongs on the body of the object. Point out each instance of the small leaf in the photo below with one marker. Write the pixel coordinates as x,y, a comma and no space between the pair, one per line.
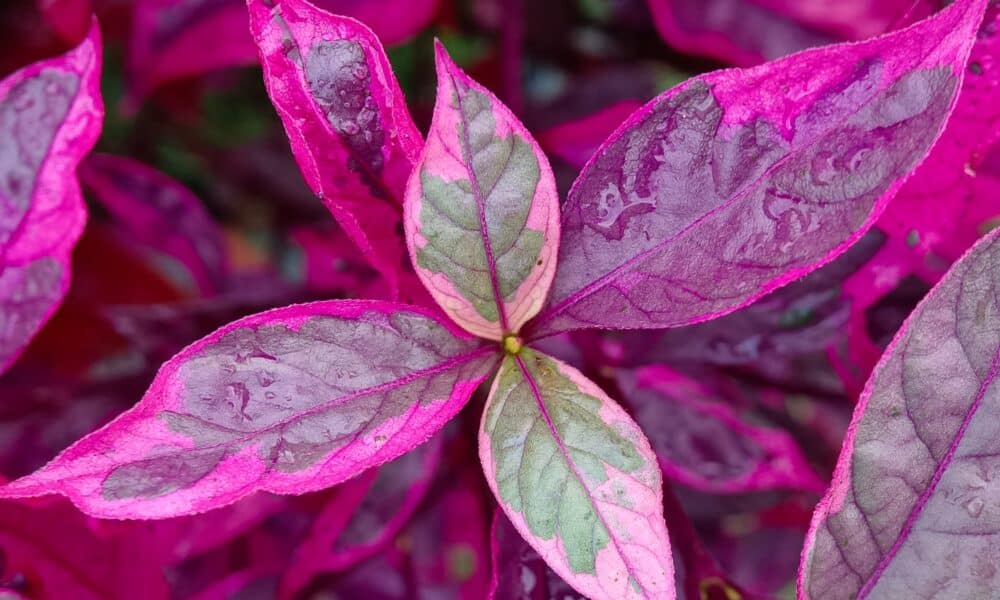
288,401
161,214
50,117
346,120
738,182
913,510
702,443
577,478
482,211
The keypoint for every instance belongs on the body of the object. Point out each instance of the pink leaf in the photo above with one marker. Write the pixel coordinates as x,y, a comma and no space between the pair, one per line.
738,182
52,554
50,117
287,401
482,211
161,214
346,119
577,478
702,443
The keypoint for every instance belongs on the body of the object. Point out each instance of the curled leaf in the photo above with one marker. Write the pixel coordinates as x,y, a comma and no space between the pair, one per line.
913,510
577,478
738,182
288,401
50,117
482,211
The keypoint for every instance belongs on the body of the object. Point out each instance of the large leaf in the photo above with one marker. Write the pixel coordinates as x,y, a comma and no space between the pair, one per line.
577,478
288,401
913,511
50,117
346,120
161,214
944,207
737,182
482,211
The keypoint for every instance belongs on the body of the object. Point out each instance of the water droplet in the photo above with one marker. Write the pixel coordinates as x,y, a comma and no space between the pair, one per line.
359,72
350,128
265,378
974,507
269,395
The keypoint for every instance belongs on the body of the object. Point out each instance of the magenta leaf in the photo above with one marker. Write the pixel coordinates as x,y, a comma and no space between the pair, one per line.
577,478
946,204
576,141
168,38
912,511
50,552
364,516
346,120
159,213
701,441
50,117
482,211
725,188
288,401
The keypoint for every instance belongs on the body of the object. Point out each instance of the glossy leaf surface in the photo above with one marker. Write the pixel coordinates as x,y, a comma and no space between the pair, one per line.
287,401
912,510
346,120
482,211
577,478
50,117
701,441
737,182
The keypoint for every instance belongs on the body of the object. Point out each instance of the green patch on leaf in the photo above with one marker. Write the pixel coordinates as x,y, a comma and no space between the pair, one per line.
552,452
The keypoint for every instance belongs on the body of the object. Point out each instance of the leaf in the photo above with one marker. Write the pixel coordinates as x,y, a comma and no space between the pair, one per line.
738,182
481,210
518,571
346,120
359,521
577,478
50,117
168,38
702,443
161,214
287,401
576,141
912,511
946,204
49,551
738,32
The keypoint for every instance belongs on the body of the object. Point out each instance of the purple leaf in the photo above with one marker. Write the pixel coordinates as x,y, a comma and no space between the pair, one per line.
288,401
161,214
912,511
346,120
482,211
50,117
359,521
49,552
577,478
168,38
519,573
738,32
737,182
702,443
